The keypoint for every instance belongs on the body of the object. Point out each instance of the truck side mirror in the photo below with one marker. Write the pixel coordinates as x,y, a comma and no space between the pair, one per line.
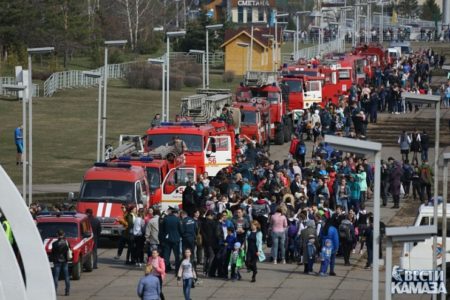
213,148
71,196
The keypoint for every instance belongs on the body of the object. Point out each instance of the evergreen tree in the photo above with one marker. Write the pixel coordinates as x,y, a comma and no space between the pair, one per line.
408,8
430,11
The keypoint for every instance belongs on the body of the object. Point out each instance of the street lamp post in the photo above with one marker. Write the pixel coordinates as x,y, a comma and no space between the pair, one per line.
163,86
271,38
32,51
207,29
202,53
99,117
444,216
367,148
116,43
245,45
173,34
18,88
428,99
297,29
277,62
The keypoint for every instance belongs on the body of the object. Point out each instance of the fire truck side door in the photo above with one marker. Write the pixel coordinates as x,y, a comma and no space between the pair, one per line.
313,94
217,154
174,185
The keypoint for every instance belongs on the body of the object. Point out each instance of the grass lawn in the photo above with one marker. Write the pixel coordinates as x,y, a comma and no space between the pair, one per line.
65,127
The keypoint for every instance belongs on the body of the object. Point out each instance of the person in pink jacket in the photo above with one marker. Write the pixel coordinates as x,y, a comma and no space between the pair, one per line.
278,225
159,268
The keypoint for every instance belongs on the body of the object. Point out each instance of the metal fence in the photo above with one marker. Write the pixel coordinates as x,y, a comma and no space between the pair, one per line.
75,78
336,45
12,80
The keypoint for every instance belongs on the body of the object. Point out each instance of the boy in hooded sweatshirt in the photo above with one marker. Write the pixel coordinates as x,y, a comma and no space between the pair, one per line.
325,256
237,258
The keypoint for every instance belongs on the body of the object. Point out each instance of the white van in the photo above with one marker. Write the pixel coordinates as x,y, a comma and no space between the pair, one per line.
419,256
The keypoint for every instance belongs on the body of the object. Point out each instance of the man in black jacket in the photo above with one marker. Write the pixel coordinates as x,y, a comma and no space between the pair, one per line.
60,249
96,230
171,233
210,241
188,233
189,199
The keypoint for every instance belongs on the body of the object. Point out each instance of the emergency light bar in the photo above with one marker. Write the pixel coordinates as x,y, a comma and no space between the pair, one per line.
57,213
141,158
112,165
177,124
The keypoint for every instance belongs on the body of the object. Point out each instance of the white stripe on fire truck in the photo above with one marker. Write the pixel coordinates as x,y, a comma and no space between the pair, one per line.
81,243
108,210
100,209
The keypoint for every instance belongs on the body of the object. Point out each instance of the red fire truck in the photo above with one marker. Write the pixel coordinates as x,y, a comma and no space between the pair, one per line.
264,86
107,187
208,149
255,120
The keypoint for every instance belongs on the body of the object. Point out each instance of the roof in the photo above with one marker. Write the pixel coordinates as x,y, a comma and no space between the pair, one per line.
111,173
258,32
53,216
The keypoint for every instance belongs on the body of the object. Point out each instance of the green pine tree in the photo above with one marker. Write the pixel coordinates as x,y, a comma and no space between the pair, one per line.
430,11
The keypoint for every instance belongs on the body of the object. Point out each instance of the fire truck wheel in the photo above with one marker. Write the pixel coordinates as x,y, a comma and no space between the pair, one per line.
76,270
89,264
279,136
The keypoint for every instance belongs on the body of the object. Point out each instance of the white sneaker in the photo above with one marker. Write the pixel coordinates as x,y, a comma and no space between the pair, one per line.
275,262
284,261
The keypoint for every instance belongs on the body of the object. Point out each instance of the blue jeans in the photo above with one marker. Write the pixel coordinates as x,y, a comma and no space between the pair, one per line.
281,237
424,154
187,284
58,267
324,265
332,262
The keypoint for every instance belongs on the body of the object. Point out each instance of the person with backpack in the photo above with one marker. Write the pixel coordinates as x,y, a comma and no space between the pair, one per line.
415,144
259,211
407,177
347,237
278,225
404,141
395,183
306,234
60,256
424,145
292,240
426,180
300,152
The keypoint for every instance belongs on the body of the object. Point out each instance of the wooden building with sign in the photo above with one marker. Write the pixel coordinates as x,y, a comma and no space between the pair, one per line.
237,47
252,11
242,11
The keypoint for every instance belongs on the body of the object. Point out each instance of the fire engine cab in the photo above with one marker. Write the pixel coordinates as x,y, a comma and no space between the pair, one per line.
78,233
255,120
207,148
264,86
107,187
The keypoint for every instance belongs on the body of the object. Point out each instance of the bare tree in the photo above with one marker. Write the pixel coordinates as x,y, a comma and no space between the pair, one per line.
134,10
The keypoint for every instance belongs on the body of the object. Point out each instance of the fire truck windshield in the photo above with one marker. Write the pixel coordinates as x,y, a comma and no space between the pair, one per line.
113,190
50,229
193,142
295,86
248,117
154,178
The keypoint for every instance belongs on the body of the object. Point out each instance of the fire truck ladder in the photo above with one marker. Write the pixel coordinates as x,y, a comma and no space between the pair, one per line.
202,108
257,78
